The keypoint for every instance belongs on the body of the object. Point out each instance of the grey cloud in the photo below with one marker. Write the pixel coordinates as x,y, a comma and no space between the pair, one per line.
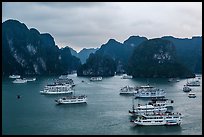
90,24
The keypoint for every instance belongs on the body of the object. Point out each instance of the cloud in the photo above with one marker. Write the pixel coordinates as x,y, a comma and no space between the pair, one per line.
91,24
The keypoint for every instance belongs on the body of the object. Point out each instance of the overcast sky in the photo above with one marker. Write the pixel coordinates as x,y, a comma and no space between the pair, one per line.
91,24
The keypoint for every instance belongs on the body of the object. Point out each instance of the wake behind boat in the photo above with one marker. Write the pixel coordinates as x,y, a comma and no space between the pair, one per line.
72,99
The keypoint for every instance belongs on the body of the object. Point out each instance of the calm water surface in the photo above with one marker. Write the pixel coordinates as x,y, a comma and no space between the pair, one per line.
106,112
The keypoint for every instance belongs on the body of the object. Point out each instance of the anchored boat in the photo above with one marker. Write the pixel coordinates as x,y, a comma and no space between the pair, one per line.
158,119
72,99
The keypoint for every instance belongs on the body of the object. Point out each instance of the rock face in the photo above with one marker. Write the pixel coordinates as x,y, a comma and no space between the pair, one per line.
189,51
26,51
156,58
120,52
97,65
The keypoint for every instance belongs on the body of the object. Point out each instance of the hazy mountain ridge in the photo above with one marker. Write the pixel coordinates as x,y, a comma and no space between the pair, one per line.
26,51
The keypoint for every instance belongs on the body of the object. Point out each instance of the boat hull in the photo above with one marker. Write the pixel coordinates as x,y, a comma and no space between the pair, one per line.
54,93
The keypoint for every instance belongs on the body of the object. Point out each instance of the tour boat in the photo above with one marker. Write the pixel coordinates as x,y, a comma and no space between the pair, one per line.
158,119
20,80
64,80
149,92
164,102
72,99
147,109
186,88
193,83
14,76
95,78
127,77
57,89
128,90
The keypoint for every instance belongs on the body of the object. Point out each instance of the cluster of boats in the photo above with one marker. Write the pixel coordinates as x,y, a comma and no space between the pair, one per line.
18,79
156,111
143,91
64,85
186,87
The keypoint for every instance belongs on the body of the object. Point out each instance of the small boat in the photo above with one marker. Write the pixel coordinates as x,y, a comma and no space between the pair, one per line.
191,95
72,99
20,80
96,79
177,80
159,119
18,96
186,88
14,76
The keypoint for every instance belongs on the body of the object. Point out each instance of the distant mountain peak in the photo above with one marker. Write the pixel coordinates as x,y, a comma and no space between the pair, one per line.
110,41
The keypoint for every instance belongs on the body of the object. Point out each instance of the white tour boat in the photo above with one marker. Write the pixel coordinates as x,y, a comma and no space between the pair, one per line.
186,88
96,79
193,83
125,76
191,95
72,100
164,102
20,80
128,90
149,92
64,80
57,89
147,109
158,119
14,76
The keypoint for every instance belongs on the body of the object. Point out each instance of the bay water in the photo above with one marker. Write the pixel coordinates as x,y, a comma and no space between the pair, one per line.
105,113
